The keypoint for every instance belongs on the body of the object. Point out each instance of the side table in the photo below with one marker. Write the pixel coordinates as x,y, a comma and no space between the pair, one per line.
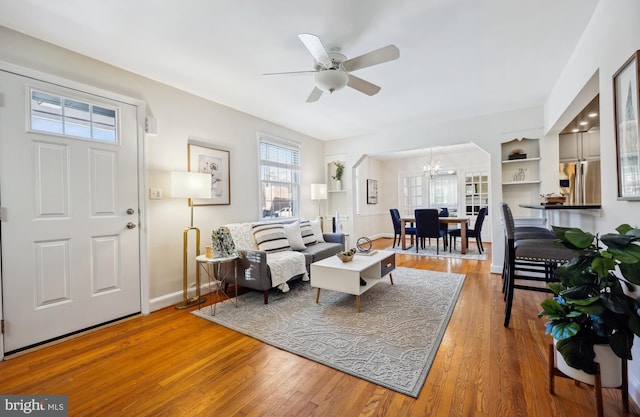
211,266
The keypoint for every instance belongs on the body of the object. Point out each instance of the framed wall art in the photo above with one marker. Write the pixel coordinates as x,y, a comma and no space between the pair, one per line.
372,192
216,163
625,99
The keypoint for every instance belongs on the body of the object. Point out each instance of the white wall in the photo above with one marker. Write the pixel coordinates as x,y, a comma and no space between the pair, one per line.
181,117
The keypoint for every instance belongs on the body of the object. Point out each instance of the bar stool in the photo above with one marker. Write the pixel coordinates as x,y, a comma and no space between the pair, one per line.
528,258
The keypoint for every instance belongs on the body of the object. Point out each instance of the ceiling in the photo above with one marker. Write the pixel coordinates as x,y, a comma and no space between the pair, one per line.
458,58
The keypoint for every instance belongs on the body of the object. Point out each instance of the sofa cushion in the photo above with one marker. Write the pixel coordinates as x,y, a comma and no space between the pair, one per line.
320,250
317,230
306,232
270,237
242,236
294,236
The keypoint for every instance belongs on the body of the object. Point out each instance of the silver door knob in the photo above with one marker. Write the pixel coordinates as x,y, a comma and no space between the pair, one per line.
131,225
130,211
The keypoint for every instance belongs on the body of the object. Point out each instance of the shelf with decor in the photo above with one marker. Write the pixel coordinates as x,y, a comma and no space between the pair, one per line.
520,174
336,194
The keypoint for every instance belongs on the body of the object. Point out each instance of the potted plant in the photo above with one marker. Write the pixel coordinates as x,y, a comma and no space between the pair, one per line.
339,174
590,307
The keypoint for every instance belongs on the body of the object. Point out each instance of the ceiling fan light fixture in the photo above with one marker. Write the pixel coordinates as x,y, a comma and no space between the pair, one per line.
331,80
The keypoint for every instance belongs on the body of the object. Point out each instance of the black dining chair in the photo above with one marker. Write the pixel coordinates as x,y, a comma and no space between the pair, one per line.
475,232
444,212
397,227
428,226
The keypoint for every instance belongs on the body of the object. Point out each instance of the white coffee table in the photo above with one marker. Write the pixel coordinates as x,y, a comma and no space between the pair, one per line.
333,274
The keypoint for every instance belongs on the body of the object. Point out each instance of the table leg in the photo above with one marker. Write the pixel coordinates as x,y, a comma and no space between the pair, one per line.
358,303
317,295
391,278
402,235
463,238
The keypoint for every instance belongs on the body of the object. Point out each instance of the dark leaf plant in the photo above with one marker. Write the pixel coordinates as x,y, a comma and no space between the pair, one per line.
590,305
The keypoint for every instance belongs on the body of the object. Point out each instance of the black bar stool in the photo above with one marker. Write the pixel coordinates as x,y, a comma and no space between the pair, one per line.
532,256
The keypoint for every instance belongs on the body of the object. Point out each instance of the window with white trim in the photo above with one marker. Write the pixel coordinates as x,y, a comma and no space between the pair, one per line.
443,191
279,178
51,113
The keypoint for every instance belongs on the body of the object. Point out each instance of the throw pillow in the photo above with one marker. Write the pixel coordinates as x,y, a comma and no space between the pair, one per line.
292,230
270,237
308,238
317,231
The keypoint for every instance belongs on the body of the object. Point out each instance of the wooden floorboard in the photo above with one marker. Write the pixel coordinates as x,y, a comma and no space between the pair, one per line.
172,363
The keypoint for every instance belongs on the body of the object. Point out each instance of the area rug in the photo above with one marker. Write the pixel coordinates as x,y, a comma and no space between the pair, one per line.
391,342
472,252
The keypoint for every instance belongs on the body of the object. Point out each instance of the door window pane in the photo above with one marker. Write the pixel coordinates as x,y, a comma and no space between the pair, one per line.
70,117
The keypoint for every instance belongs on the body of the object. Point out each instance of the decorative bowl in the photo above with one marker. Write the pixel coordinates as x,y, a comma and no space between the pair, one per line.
344,257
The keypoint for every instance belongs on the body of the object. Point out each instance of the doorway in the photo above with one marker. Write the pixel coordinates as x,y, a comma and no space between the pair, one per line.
69,189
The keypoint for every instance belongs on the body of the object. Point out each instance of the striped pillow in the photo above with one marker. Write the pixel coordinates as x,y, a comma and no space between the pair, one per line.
270,237
308,238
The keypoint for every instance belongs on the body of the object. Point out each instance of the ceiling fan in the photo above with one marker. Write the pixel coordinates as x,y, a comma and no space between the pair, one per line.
332,70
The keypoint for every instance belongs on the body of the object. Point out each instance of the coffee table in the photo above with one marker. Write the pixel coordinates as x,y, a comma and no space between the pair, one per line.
333,274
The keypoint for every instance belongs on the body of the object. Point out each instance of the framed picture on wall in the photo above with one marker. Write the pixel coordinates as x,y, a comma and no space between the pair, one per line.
372,192
627,115
216,163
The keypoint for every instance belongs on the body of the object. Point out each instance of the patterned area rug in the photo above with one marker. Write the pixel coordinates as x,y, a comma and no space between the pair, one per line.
472,252
391,342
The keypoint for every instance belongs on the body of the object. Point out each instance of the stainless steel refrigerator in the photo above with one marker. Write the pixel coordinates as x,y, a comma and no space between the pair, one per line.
580,182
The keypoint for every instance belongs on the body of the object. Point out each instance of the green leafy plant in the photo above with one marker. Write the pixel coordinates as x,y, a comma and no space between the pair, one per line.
590,305
339,171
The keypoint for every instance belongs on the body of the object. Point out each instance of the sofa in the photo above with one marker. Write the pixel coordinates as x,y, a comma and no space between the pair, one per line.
273,253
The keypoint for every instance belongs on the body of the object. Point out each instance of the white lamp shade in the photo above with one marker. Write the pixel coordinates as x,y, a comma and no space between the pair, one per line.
331,80
318,191
190,185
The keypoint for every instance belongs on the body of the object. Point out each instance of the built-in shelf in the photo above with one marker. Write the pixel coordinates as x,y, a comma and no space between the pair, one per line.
520,182
520,176
513,161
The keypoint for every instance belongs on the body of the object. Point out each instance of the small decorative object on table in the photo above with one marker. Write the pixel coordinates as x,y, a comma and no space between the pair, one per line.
223,246
553,199
364,246
346,256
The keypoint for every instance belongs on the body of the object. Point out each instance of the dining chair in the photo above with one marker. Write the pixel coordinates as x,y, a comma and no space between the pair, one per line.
397,227
475,232
428,226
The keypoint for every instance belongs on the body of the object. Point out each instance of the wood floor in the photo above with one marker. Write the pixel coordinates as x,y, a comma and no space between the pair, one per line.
172,363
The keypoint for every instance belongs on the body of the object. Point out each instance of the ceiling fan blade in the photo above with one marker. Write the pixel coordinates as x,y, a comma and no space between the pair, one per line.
291,73
384,54
315,95
363,86
317,50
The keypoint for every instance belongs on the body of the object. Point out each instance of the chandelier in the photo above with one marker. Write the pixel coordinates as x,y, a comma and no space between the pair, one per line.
431,168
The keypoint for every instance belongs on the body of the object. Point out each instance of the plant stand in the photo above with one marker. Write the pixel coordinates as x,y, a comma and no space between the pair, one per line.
597,386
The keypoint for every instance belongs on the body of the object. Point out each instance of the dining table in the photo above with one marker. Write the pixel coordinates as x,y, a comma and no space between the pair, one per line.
462,221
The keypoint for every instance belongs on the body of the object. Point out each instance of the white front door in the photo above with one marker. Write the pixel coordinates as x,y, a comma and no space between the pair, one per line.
69,235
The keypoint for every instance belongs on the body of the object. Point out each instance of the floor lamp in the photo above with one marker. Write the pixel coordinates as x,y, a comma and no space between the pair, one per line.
319,192
190,185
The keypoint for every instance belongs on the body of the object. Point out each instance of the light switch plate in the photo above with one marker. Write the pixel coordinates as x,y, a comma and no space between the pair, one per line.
155,193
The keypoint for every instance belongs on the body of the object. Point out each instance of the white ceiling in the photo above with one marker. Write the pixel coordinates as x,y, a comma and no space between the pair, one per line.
458,58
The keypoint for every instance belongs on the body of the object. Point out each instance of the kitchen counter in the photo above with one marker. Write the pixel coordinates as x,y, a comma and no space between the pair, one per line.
562,206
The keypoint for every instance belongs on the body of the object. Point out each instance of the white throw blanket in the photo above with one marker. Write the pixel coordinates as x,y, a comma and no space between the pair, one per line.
284,266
